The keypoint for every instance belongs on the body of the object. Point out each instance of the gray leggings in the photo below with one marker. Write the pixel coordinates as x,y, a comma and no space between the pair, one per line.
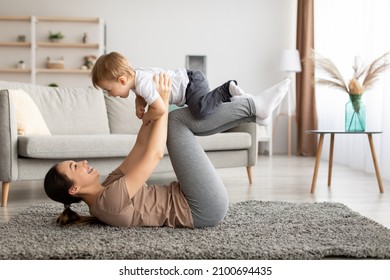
199,181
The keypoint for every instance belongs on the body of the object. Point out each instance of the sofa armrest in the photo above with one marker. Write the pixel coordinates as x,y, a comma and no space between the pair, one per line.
250,128
8,139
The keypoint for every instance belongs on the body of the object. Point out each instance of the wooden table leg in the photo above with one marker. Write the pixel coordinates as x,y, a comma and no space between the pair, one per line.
330,159
317,164
249,172
378,174
5,191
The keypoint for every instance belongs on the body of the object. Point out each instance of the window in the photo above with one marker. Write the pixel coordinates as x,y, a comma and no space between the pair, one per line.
343,30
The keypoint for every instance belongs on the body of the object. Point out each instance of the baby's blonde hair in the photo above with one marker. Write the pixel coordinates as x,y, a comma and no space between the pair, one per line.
109,67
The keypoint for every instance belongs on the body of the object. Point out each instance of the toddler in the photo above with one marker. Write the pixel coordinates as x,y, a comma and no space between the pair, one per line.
114,75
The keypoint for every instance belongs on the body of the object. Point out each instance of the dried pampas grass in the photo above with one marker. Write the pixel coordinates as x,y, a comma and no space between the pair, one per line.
369,74
377,67
336,80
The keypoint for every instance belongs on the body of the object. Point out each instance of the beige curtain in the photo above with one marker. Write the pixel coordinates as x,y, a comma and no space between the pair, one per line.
306,113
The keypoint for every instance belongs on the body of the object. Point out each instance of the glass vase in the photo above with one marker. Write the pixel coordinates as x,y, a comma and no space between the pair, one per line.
355,113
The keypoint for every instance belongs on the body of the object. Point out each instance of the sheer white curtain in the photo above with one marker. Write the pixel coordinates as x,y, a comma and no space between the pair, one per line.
345,29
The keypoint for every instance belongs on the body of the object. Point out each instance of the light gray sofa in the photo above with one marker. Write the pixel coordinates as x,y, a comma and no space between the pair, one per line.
86,124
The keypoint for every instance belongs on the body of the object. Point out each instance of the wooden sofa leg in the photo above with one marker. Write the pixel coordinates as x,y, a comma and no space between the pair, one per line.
249,171
4,194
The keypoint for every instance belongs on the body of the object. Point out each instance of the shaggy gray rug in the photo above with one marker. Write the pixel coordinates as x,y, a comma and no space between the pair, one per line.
251,230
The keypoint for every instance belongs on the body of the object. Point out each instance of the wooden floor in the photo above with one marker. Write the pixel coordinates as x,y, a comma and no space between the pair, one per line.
279,178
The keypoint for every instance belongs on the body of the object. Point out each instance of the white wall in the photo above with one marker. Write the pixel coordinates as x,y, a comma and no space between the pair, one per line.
242,39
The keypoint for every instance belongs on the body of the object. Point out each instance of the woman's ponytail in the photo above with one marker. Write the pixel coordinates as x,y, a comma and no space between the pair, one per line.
68,217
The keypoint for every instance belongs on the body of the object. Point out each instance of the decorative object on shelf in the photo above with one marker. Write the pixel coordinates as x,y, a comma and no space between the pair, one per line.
85,38
355,110
55,37
55,64
52,85
89,62
21,65
21,38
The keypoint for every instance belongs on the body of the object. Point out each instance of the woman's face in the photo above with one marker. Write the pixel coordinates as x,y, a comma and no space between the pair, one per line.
79,172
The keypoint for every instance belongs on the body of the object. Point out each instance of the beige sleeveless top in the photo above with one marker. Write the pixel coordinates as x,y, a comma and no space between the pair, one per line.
153,205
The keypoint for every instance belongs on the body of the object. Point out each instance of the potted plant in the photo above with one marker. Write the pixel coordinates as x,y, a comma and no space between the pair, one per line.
89,61
363,79
55,37
21,64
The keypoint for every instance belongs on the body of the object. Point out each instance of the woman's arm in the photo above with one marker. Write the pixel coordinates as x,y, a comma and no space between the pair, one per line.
155,111
150,144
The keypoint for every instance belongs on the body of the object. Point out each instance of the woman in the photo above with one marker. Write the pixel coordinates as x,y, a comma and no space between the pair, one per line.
198,199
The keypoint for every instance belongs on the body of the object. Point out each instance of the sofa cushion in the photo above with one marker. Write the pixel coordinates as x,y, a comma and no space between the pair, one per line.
114,145
75,146
29,120
68,111
121,114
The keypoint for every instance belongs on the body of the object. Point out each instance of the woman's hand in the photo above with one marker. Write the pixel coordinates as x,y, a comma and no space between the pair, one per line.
159,107
163,84
140,105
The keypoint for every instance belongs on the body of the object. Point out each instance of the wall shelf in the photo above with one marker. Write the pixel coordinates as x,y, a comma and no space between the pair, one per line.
66,45
68,19
15,44
36,48
15,18
62,71
14,70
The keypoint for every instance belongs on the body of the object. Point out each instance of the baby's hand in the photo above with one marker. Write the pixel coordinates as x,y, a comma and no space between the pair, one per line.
140,105
163,84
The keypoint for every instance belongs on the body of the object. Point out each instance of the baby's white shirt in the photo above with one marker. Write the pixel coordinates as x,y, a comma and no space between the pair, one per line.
144,85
